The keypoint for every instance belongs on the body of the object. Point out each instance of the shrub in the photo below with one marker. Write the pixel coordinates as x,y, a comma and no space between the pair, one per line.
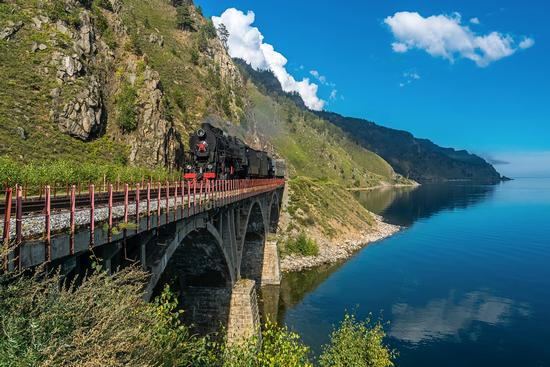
357,343
184,18
102,322
279,348
210,30
302,245
105,4
126,104
195,57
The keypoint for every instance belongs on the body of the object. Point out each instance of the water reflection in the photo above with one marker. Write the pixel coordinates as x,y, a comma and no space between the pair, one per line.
447,317
404,206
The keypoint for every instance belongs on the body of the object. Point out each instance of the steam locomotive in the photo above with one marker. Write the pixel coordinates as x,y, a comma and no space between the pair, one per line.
215,155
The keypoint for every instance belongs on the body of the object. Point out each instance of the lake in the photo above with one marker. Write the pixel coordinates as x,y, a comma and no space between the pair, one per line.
465,283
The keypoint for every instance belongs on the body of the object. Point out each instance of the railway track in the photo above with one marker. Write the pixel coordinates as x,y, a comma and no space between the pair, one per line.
36,205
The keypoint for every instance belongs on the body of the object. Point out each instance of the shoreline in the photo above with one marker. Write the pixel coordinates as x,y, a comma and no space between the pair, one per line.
343,249
378,187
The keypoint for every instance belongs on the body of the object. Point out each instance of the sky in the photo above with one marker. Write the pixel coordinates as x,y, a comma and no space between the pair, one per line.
465,74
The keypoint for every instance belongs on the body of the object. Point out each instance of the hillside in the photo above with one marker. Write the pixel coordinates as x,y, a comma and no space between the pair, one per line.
126,81
108,80
418,159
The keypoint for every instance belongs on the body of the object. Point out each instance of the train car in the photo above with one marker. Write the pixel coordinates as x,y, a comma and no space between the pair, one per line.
214,154
278,168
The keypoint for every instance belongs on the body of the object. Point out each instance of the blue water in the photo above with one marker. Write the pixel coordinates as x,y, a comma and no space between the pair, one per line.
466,283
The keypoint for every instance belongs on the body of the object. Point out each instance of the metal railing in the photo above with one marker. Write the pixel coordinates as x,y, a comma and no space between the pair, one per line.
193,196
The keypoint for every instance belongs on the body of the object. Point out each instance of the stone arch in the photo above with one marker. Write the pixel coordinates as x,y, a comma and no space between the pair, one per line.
253,244
200,274
158,266
274,212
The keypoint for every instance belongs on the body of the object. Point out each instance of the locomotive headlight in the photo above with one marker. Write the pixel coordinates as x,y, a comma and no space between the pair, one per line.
201,133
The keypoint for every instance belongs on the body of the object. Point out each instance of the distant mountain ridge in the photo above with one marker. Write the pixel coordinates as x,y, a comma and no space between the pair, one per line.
417,159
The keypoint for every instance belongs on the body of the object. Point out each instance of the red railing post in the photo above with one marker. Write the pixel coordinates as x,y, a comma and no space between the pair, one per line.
18,224
194,195
148,198
167,201
72,219
182,190
158,203
48,209
208,192
200,194
92,213
175,198
7,219
137,205
110,205
125,203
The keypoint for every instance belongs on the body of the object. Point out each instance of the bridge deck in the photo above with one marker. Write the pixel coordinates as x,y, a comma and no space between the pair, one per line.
38,237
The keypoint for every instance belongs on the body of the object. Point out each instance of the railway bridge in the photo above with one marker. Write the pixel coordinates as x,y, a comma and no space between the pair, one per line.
208,239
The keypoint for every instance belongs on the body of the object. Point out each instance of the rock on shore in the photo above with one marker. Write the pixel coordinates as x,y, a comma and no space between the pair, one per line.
340,250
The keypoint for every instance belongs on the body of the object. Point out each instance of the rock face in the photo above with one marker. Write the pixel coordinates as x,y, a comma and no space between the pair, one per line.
155,141
82,116
85,44
9,31
156,38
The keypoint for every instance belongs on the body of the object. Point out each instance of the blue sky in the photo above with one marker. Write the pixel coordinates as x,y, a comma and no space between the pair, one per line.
494,100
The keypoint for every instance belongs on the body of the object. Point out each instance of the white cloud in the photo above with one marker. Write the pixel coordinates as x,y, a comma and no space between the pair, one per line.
474,20
409,78
414,76
442,318
246,42
321,78
399,47
527,43
333,94
445,36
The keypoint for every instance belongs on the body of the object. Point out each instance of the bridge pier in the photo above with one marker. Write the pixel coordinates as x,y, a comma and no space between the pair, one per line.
271,271
206,308
244,317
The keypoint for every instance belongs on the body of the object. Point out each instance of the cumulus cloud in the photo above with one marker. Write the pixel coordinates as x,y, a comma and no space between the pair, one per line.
445,36
474,21
447,317
247,42
527,43
333,94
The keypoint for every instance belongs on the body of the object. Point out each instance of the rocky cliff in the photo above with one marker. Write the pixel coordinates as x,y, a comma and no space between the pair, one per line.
108,79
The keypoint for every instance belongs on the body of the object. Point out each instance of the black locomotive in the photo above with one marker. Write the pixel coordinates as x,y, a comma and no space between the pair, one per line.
216,155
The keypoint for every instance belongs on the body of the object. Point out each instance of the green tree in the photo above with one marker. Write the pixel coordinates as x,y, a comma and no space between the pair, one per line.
223,34
358,344
126,105
185,19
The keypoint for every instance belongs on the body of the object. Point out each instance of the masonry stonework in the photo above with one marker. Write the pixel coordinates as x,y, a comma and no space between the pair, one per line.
244,317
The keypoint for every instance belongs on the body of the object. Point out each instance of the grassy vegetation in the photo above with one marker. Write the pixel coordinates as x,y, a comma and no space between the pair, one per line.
126,105
44,321
326,205
190,75
36,175
303,138
301,245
